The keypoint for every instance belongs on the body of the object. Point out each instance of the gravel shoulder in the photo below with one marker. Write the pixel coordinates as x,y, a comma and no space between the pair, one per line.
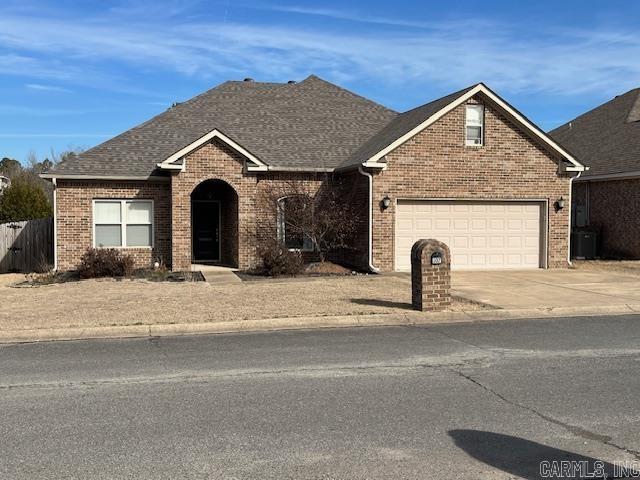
106,302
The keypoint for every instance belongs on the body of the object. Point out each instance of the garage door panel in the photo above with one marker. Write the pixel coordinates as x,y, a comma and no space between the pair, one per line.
481,235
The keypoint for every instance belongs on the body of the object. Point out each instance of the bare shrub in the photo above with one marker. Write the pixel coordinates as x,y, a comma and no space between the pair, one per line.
277,260
105,262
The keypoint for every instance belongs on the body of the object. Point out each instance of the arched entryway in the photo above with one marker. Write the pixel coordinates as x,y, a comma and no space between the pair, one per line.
214,224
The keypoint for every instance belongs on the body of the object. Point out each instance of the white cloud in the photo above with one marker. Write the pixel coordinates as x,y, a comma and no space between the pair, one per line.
46,88
450,55
55,135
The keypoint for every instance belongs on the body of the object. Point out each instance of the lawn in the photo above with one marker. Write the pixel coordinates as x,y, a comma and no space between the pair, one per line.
107,302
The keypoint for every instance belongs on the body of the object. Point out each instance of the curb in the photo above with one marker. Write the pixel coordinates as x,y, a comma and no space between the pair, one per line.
299,323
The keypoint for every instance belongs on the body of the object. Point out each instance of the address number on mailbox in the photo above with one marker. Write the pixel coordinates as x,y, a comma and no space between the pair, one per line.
436,258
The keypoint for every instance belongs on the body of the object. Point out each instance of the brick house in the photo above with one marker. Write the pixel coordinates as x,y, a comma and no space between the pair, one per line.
185,187
607,197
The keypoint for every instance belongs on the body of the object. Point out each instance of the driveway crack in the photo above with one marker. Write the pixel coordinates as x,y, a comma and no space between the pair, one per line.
573,429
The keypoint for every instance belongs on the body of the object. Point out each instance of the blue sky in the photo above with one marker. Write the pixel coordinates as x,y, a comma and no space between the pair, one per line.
75,73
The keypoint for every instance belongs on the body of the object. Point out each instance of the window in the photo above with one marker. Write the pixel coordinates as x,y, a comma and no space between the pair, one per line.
475,125
286,234
123,223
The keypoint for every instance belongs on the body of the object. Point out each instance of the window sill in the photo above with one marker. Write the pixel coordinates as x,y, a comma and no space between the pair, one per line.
125,248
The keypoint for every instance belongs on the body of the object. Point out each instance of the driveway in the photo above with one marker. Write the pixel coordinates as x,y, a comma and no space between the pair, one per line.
582,287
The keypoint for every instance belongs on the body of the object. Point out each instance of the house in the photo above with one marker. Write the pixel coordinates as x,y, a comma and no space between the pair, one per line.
4,182
607,197
185,187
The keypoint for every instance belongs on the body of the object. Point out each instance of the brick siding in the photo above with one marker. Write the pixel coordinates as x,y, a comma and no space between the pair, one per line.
74,200
434,164
437,164
613,211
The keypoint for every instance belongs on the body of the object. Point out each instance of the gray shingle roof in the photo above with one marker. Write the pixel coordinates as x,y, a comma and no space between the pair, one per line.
400,125
311,124
607,138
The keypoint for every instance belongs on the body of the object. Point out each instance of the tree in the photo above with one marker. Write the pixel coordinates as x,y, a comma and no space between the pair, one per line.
23,200
308,215
10,168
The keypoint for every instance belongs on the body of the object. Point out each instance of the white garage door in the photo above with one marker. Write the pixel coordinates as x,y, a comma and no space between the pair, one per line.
481,235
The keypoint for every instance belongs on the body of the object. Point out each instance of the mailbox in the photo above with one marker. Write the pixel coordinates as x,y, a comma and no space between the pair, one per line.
430,275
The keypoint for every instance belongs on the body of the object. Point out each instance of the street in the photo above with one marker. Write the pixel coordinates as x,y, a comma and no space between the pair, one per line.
472,401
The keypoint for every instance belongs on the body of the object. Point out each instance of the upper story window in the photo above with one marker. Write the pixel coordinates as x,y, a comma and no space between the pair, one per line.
122,223
474,125
289,212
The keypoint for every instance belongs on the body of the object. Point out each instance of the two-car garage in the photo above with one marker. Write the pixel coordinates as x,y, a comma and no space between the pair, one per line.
482,235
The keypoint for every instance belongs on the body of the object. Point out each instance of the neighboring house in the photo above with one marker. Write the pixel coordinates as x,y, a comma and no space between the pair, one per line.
606,198
4,182
186,186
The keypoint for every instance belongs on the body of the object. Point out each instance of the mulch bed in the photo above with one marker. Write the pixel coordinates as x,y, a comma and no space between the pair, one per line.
51,278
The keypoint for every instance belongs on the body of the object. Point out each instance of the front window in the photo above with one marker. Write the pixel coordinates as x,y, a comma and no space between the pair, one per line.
289,228
123,223
475,125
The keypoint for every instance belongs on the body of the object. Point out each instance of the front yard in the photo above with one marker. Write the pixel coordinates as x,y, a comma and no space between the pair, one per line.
106,302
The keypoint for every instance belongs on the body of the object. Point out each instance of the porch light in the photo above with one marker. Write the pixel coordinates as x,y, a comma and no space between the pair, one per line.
385,202
560,203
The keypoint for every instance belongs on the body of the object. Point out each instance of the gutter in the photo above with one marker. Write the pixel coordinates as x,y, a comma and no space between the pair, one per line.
152,178
373,268
55,224
571,179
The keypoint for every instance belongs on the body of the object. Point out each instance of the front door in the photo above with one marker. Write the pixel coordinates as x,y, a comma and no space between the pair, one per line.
206,231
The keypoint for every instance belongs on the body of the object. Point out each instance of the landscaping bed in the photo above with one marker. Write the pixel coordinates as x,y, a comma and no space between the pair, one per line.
152,275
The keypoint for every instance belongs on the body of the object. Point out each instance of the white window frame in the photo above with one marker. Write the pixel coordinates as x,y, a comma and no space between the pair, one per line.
281,229
467,123
123,222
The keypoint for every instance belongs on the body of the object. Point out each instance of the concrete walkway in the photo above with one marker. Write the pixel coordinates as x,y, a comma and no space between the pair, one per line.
548,288
216,275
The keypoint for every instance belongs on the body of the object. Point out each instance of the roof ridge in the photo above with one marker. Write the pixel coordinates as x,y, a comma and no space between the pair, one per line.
597,107
634,112
454,94
353,94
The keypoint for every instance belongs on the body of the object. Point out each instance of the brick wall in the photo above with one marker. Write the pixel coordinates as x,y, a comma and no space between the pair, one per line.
255,220
74,201
613,207
437,164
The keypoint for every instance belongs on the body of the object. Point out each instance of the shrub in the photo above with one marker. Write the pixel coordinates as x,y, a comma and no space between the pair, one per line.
276,260
105,262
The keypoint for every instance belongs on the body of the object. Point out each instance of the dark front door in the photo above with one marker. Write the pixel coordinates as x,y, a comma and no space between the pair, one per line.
206,231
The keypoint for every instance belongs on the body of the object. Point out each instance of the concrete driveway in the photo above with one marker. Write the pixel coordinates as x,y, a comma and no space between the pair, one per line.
548,288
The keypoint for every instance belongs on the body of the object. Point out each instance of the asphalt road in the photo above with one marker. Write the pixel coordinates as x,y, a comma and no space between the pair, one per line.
472,401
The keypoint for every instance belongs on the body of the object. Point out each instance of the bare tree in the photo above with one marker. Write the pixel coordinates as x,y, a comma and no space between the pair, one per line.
312,218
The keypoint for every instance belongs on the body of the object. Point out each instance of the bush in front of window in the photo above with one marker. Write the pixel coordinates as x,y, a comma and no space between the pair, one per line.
277,260
105,262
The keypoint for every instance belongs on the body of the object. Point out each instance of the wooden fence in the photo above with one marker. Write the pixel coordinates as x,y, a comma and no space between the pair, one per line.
26,246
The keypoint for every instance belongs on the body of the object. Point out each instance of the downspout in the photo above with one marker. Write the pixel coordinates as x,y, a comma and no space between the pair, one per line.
571,179
55,224
367,174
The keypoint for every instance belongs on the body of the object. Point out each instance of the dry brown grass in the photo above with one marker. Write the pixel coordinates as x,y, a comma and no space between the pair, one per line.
128,302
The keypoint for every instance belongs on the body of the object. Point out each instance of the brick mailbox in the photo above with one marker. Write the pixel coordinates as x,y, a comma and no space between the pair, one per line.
430,275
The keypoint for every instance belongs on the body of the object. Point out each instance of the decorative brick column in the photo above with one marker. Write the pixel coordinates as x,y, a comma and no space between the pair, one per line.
430,275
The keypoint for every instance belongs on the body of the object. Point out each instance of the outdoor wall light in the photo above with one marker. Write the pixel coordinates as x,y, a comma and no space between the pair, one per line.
385,202
559,204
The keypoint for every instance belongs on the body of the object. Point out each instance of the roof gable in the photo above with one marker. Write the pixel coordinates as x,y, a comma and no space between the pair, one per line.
406,125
